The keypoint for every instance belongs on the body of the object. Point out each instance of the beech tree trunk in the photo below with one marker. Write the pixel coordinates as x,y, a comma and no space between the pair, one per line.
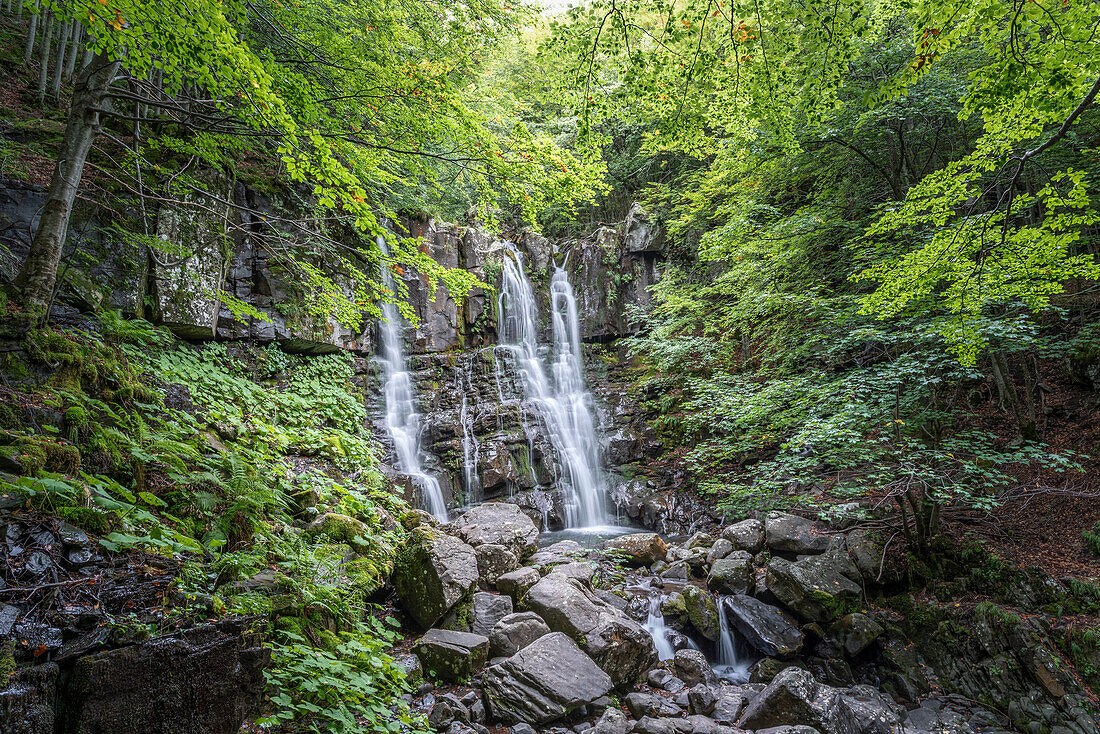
91,100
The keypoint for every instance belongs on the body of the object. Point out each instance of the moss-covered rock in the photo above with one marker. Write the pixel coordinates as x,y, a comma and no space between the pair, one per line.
432,572
702,612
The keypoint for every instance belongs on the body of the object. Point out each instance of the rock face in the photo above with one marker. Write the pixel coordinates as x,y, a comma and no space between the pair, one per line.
498,523
618,644
765,627
543,682
202,680
433,572
451,656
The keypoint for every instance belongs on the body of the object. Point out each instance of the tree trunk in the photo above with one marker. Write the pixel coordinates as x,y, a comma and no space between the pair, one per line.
1010,400
44,69
70,62
59,66
31,35
91,101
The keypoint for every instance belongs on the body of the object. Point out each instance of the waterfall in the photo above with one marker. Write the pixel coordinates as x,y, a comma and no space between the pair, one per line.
402,419
729,666
471,449
562,401
655,625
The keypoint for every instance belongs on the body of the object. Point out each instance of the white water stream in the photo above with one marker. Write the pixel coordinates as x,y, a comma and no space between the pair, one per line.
402,419
730,665
562,401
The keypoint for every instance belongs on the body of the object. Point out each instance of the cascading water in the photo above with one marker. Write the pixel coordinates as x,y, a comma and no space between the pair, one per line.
655,625
730,665
402,419
471,449
563,402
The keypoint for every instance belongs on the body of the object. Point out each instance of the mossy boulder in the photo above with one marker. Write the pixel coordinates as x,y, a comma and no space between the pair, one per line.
702,612
342,529
451,656
28,455
433,571
733,574
819,589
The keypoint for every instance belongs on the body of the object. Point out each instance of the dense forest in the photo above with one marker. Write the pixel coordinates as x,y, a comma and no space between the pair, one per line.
475,366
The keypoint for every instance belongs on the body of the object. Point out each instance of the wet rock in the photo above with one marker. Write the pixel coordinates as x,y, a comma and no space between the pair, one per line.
796,535
543,682
493,561
8,615
639,549
27,700
733,574
433,572
515,632
649,704
873,712
564,551
747,535
700,540
854,633
692,668
517,583
166,684
766,628
487,610
702,612
564,606
451,656
499,523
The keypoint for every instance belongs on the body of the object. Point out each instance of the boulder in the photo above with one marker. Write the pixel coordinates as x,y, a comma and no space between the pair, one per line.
564,551
747,535
517,583
702,612
875,564
613,721
487,610
795,535
854,633
795,698
639,549
617,643
342,529
515,632
815,588
702,699
728,707
700,539
733,574
692,668
655,725
499,523
720,549
493,561
544,681
432,572
650,704
451,656
766,628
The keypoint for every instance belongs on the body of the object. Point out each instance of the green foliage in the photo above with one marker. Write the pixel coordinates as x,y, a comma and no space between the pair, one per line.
354,687
1092,539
